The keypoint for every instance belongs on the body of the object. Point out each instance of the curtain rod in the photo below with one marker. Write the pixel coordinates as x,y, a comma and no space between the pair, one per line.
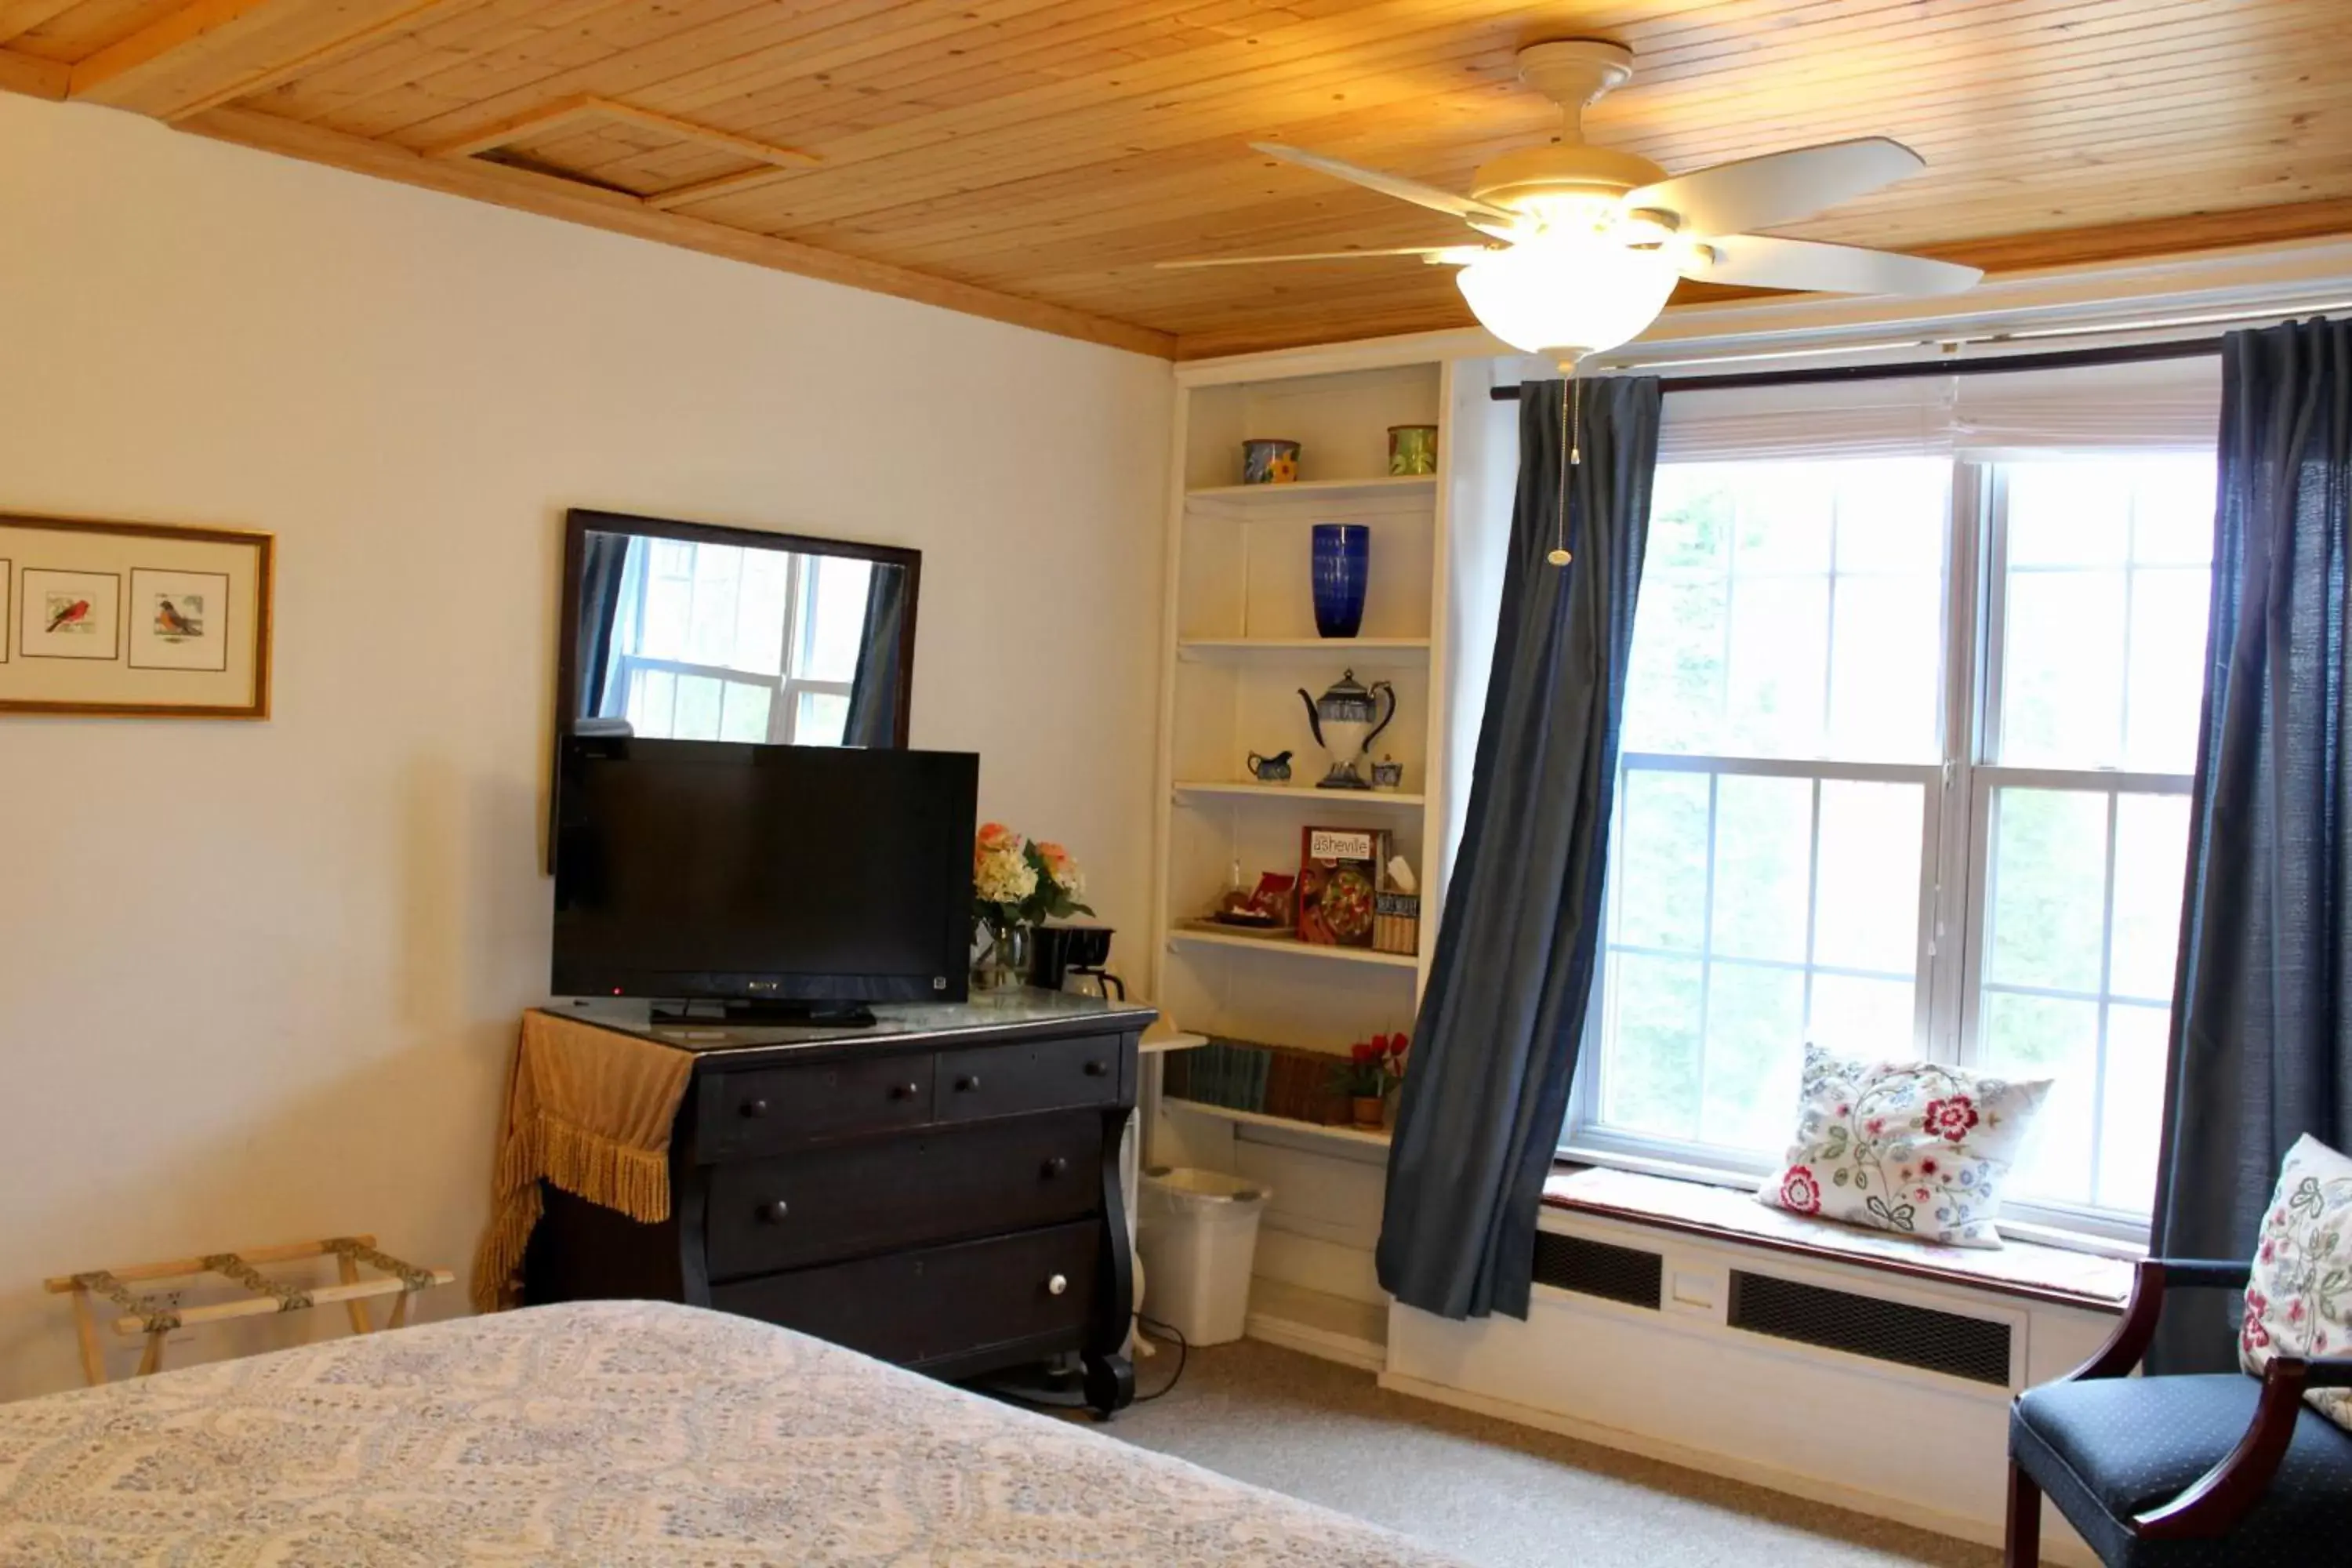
2060,359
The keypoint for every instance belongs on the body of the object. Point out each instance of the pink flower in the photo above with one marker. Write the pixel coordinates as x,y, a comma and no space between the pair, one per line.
995,836
1951,1119
1060,865
1800,1191
2269,1251
1928,1167
2256,1337
2295,1312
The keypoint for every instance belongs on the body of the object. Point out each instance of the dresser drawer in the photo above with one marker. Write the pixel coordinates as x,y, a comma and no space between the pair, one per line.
766,1214
770,1109
916,1307
1011,1081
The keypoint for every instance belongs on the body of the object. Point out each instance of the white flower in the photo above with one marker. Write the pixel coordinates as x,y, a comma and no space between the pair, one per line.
1003,876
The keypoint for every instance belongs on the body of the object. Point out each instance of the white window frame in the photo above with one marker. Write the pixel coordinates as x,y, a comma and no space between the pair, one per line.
1955,877
785,706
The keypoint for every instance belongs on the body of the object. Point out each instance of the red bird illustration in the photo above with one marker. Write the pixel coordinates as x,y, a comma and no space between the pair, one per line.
69,615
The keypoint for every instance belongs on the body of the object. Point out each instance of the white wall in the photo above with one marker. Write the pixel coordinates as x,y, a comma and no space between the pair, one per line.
260,982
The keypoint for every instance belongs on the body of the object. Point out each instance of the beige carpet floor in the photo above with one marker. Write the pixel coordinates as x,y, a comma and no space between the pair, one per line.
1494,1494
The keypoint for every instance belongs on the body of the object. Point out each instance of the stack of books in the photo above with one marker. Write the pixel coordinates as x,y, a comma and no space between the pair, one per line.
1272,1080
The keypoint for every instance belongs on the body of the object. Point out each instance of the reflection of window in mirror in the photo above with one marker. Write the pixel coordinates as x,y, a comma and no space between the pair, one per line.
716,642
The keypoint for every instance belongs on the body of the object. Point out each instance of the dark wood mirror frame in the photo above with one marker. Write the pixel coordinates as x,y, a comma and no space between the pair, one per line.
578,523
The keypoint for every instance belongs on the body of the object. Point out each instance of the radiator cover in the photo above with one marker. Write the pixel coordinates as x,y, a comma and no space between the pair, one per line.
1947,1342
1627,1274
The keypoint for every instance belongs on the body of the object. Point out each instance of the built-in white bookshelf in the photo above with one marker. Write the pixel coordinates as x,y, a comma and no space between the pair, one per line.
1241,647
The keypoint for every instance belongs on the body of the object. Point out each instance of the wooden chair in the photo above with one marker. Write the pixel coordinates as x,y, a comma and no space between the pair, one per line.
157,1320
2166,1472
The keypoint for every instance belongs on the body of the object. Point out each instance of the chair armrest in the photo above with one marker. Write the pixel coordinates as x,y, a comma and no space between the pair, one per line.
2215,1502
2128,1344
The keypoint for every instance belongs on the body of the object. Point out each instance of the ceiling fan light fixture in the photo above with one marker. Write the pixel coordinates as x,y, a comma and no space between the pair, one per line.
1568,294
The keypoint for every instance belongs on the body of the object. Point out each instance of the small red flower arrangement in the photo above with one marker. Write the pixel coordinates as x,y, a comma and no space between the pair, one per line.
1951,1119
1800,1191
1373,1067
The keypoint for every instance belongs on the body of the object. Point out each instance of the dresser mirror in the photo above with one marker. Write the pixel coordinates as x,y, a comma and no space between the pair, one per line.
688,632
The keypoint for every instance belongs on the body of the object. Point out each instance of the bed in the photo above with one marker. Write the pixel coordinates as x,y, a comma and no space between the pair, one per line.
610,1433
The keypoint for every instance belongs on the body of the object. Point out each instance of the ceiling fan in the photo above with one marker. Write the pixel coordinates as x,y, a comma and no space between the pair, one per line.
1592,240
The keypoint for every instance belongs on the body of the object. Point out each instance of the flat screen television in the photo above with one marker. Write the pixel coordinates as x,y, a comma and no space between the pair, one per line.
783,880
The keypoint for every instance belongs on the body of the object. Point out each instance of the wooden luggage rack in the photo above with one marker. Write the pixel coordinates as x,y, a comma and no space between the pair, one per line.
146,1315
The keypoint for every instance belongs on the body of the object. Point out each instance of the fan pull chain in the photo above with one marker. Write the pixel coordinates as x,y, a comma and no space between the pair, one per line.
1571,435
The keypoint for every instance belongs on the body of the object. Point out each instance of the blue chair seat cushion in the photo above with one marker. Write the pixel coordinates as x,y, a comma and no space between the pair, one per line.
2107,1448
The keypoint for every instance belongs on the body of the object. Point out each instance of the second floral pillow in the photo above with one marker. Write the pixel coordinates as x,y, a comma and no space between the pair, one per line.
1915,1148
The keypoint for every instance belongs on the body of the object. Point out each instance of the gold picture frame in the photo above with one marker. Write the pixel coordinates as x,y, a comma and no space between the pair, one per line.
134,619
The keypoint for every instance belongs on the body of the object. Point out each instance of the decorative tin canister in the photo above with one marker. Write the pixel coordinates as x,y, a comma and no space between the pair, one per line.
1413,449
1267,461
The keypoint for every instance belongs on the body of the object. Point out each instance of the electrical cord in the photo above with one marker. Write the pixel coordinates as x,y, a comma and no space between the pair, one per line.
1037,1402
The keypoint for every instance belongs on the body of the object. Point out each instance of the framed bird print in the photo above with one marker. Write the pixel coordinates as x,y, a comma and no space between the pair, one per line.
135,619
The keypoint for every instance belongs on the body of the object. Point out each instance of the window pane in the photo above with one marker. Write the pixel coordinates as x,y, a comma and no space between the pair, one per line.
2062,668
759,610
2151,857
835,618
1867,913
1755,1054
717,574
822,717
1887,669
1857,1017
1779,656
1763,871
2044,1036
2167,675
696,718
1691,508
2049,889
1650,1071
1785,509
1674,682
1660,879
2132,1118
1891,515
2069,514
743,713
652,694
2172,511
669,608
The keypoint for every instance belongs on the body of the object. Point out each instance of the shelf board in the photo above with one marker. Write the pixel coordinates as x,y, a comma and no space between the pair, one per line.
1188,934
1334,797
1343,1134
1385,488
1361,650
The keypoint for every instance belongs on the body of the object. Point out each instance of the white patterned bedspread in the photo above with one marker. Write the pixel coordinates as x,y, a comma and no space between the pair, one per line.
610,1433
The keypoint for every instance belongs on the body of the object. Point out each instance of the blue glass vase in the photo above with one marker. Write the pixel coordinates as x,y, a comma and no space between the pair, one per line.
1343,561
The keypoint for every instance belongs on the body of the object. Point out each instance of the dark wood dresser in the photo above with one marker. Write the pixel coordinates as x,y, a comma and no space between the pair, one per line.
940,1190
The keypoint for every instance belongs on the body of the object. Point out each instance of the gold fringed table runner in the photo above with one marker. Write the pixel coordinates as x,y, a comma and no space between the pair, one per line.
588,1110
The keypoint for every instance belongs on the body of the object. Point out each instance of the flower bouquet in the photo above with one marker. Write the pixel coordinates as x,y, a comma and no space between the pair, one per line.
1372,1069
1016,883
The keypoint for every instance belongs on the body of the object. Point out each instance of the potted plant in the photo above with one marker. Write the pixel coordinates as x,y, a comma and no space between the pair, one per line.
1372,1069
1016,883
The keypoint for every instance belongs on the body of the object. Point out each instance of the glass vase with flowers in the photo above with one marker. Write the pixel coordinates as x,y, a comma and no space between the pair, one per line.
1016,882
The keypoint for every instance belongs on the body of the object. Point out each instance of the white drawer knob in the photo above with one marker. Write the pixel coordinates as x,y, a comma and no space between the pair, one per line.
1058,1284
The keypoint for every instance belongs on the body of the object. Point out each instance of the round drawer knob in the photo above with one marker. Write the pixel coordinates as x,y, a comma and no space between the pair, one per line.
1057,1285
774,1214
1098,1069
754,1109
968,1083
1058,1165
904,1091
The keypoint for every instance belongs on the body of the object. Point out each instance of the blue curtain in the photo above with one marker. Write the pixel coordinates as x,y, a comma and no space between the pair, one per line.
1494,1047
874,719
2262,1004
606,581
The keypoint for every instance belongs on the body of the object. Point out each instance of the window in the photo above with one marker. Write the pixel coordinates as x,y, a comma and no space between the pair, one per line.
719,643
1905,766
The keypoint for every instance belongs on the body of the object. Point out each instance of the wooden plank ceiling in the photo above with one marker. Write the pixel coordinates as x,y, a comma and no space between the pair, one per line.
1030,160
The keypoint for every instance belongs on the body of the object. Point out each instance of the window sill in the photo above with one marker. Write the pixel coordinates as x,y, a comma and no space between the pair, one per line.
2038,1272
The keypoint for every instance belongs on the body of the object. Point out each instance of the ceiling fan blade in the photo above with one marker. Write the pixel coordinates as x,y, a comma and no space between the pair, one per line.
1436,255
1778,187
1394,185
1760,261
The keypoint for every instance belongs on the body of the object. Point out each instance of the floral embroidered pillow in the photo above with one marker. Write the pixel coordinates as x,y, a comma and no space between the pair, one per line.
2299,1299
1915,1148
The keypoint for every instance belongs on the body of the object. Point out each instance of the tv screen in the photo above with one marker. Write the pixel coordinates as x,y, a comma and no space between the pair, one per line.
786,874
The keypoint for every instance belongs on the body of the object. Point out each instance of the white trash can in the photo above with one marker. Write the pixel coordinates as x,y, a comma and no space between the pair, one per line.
1198,1232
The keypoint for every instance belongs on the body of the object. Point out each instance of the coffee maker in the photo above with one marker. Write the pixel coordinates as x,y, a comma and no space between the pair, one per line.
1071,958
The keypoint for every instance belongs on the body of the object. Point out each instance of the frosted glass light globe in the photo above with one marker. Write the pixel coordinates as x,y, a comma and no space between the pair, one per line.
1568,292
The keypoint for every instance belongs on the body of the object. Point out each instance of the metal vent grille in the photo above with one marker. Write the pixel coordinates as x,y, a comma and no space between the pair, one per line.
1864,1325
1596,1268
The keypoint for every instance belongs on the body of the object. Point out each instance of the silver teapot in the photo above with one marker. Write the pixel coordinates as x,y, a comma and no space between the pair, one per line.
1346,720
